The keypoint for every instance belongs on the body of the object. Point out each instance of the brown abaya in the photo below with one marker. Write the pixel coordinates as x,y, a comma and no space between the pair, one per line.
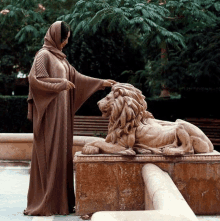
52,108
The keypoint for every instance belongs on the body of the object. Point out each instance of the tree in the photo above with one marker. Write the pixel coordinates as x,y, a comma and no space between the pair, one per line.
136,24
23,25
197,22
197,63
138,18
106,32
105,54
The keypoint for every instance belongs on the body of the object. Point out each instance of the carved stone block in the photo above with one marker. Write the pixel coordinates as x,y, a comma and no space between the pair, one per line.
114,182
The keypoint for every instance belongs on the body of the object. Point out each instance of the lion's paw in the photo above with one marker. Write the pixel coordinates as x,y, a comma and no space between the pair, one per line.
129,152
142,150
171,151
167,151
90,150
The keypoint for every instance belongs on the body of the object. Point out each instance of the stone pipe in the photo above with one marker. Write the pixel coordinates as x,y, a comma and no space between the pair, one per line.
161,193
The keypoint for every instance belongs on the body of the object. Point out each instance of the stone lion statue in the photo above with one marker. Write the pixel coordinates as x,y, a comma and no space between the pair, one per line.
132,129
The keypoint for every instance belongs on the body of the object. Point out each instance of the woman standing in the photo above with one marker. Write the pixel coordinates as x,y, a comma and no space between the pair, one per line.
56,92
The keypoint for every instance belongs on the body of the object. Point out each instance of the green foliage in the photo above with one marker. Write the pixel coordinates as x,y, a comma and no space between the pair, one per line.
18,24
205,63
13,109
13,115
23,30
133,16
197,63
105,55
100,134
111,36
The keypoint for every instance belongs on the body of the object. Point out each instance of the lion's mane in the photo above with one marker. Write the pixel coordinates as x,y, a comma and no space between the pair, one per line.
128,112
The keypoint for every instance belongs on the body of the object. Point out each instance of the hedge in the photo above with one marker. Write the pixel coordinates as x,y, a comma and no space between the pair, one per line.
13,109
201,102
13,115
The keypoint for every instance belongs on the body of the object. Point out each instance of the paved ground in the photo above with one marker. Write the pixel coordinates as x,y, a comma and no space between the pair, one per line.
14,181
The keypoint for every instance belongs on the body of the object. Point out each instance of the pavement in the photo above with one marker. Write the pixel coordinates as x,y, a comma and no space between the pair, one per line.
14,182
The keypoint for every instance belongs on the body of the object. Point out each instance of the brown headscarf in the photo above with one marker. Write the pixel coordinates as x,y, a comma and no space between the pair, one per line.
52,40
52,43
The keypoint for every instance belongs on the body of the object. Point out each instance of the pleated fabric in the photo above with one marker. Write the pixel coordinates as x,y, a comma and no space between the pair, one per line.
51,108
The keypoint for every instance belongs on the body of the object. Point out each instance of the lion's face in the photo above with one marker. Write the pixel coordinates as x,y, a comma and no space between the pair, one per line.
124,101
125,106
105,105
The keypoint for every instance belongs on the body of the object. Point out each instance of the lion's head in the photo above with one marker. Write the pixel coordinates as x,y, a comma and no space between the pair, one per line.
126,108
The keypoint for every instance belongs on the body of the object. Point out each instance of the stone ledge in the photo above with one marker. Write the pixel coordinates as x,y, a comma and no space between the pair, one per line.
214,156
18,146
16,137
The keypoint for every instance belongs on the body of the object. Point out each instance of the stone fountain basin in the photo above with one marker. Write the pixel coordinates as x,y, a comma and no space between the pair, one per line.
18,146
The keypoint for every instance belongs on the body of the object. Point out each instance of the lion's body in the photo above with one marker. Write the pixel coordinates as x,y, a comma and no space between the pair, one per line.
154,134
131,128
157,134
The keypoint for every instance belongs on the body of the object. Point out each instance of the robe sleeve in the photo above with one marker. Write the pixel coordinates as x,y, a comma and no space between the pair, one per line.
41,64
40,70
40,92
85,87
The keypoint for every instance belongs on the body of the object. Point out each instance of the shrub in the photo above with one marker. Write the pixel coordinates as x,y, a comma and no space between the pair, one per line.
194,103
13,115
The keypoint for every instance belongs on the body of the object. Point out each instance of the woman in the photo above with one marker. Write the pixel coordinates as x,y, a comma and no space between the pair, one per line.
56,92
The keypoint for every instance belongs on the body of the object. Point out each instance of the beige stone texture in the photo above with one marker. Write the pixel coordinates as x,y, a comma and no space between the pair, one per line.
15,151
200,185
133,130
114,182
166,200
14,146
163,193
18,146
156,215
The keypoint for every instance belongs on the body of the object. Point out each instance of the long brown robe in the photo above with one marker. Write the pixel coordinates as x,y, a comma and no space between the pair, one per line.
52,109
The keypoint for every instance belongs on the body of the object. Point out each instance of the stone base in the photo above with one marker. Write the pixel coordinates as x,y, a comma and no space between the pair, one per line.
114,183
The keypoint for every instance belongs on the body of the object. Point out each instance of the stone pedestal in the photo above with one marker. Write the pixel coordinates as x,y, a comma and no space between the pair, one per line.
114,182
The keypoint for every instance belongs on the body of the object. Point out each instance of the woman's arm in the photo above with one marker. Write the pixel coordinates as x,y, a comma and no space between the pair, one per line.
51,80
70,85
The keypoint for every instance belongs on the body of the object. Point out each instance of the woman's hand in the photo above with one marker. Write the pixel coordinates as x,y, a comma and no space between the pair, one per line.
108,83
70,85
